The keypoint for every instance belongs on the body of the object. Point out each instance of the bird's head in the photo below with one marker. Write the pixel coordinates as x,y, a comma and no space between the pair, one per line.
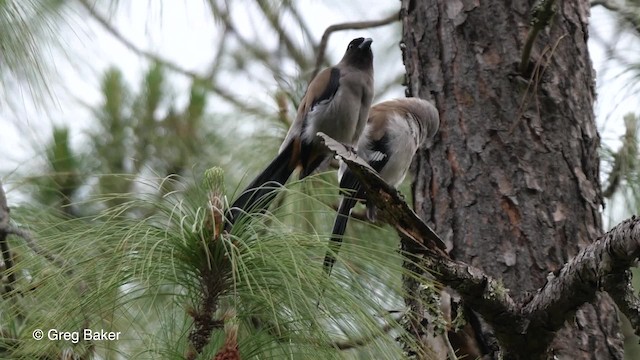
426,116
359,53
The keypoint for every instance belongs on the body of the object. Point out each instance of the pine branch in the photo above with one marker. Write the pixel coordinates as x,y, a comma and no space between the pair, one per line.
4,244
602,266
33,245
54,259
213,275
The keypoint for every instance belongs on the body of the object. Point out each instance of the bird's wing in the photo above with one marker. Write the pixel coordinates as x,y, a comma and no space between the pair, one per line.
321,90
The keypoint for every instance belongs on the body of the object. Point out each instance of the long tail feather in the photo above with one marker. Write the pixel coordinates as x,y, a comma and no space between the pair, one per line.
262,190
339,227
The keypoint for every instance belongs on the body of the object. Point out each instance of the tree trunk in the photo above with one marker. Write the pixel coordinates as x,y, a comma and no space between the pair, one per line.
511,182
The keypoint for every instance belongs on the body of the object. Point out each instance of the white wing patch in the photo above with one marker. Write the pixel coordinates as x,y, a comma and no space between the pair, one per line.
377,156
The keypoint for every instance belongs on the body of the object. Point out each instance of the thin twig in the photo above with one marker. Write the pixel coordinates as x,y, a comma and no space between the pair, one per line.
302,24
252,46
283,109
348,26
273,17
33,245
206,83
217,59
131,46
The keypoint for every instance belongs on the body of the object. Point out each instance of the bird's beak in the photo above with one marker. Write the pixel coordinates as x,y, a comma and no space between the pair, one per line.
365,44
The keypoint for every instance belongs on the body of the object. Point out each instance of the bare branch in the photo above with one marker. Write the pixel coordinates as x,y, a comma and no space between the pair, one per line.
251,46
33,245
347,26
619,287
483,294
273,17
131,46
204,81
302,24
601,266
578,281
217,59
397,213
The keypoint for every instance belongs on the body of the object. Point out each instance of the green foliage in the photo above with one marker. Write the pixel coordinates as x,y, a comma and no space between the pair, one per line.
624,176
27,28
624,181
65,173
136,246
125,238
149,278
136,134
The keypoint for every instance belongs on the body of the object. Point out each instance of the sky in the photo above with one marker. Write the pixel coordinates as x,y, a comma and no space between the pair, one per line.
180,31
171,29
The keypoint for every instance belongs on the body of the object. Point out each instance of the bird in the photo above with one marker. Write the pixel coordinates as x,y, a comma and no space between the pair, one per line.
395,130
336,102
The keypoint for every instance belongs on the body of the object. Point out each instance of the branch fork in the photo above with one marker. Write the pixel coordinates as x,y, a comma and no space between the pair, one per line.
601,267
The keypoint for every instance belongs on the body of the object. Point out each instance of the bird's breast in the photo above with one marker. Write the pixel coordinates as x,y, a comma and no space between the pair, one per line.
337,118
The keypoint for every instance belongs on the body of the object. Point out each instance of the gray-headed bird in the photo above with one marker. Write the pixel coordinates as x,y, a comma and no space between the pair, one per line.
337,103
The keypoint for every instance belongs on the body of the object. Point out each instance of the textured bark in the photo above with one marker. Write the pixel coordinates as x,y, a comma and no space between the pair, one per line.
522,327
511,183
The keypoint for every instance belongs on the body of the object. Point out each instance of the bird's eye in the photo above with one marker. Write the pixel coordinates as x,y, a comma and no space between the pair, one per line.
355,42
